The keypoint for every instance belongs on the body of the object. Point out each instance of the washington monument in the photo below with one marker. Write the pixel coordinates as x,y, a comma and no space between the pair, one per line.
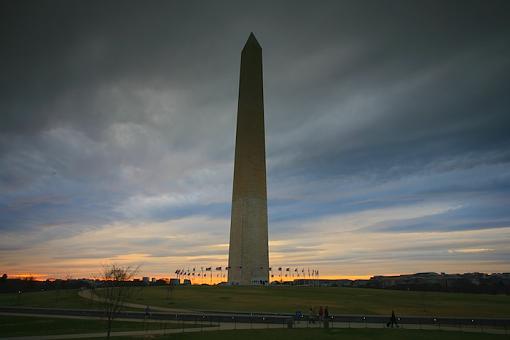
248,257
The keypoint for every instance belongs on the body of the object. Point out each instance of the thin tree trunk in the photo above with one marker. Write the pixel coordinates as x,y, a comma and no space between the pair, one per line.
109,327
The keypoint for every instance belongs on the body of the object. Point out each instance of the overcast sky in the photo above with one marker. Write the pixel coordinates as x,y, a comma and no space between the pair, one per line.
387,134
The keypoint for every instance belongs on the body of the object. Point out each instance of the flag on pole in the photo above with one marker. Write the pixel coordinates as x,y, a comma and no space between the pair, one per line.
208,269
218,268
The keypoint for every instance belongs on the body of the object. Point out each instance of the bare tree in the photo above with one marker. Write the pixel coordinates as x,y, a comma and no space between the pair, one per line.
116,290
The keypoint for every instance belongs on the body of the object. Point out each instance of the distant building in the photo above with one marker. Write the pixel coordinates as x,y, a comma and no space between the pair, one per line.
360,283
322,282
430,281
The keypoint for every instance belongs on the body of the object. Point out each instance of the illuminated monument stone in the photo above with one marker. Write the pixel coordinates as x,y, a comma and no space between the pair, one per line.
248,257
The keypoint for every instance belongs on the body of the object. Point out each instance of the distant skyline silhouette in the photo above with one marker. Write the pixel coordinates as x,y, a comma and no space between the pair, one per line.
388,134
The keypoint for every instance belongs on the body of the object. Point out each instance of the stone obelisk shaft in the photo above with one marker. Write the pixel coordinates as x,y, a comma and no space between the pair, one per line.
248,252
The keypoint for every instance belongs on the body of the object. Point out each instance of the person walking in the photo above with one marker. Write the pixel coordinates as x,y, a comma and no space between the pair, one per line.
326,313
393,320
321,313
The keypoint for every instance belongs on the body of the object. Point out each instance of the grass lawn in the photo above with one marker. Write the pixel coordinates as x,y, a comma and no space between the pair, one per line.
321,334
27,325
64,298
339,300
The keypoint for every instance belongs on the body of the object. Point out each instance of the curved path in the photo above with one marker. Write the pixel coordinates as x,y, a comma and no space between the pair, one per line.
112,334
88,294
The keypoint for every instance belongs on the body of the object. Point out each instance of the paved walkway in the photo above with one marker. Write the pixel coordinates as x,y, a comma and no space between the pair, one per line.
235,326
113,334
223,326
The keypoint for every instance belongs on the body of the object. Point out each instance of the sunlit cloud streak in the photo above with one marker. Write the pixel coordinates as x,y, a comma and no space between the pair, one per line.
387,135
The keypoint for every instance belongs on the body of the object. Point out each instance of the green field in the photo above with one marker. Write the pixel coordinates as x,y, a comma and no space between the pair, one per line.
351,334
321,334
28,325
289,299
65,298
339,300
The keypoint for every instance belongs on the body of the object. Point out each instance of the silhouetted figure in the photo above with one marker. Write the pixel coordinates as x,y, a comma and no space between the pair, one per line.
312,315
147,312
393,320
326,313
321,313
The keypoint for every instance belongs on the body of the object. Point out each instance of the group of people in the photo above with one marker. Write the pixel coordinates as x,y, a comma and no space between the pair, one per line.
319,314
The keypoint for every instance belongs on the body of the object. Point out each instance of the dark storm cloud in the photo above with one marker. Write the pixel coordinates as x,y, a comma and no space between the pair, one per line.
58,57
436,112
53,49
125,111
438,66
